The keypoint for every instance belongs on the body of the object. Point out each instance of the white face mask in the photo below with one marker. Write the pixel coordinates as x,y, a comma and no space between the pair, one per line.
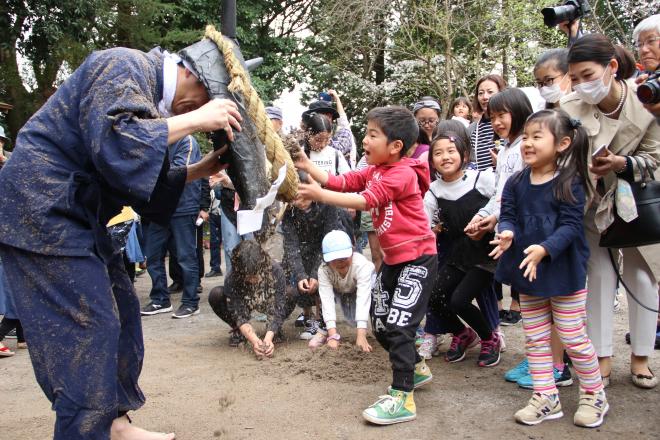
593,92
553,93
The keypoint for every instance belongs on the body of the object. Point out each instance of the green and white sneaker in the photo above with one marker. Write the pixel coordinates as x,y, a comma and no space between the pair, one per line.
539,408
396,407
423,374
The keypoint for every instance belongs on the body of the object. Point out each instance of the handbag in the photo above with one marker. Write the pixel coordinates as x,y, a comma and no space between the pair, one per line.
645,229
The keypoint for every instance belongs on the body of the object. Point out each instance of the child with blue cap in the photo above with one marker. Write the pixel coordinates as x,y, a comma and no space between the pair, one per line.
347,277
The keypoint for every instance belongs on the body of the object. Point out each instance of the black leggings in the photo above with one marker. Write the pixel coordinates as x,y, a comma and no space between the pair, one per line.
453,295
7,325
498,289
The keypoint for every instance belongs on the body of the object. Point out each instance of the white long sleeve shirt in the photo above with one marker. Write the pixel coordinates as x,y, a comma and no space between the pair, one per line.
358,281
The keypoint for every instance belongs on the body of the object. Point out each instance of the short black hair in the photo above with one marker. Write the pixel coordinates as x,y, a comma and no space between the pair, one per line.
397,123
599,49
514,101
558,58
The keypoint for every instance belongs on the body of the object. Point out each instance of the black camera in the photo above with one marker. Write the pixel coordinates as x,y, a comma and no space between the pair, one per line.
649,92
569,11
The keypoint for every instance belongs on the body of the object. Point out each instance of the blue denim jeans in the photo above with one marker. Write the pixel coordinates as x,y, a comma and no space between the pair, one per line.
230,239
215,225
183,230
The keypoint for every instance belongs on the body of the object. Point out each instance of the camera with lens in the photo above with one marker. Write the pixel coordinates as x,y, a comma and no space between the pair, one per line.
649,92
569,11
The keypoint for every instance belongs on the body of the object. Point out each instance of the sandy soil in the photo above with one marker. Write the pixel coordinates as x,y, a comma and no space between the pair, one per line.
201,388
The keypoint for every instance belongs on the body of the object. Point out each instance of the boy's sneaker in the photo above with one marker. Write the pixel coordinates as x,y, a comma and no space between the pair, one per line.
460,343
429,347
517,372
300,321
185,311
423,374
591,410
154,309
562,379
11,334
395,407
312,326
490,351
539,408
511,317
236,338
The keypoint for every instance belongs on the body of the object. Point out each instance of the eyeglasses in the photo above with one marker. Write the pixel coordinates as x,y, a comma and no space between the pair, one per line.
427,121
546,82
649,42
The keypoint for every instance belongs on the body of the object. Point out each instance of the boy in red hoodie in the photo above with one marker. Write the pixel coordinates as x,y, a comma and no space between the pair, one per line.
392,189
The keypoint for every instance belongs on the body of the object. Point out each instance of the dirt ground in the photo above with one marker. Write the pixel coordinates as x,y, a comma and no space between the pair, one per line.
199,387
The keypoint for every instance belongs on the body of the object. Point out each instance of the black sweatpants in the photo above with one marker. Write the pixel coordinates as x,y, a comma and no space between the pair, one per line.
453,295
398,304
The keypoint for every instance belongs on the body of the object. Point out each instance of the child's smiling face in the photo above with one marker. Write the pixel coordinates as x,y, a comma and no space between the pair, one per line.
377,149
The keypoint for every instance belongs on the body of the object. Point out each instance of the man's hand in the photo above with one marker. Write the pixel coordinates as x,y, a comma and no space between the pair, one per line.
268,348
218,114
570,29
535,253
209,165
502,242
203,215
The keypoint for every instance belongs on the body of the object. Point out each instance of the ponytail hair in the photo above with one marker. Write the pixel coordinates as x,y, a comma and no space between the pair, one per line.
573,162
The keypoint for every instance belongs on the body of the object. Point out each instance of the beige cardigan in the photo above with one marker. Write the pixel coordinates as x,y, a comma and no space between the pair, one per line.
635,133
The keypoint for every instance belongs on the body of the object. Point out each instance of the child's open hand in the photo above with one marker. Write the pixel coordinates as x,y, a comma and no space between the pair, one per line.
502,242
310,190
361,340
363,344
535,253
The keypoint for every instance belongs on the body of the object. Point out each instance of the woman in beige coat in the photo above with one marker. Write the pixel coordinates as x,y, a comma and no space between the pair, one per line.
609,110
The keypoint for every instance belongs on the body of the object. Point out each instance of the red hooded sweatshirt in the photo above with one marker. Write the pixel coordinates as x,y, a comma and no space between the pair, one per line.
394,195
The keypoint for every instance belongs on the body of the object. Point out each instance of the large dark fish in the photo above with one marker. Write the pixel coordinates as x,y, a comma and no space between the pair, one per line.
246,156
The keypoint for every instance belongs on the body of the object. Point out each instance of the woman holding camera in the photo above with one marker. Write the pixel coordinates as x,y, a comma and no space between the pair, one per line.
606,104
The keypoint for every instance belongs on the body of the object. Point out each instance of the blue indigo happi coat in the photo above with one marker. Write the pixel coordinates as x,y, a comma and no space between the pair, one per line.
97,144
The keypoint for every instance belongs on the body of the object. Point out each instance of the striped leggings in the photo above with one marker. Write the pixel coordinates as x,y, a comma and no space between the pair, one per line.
569,315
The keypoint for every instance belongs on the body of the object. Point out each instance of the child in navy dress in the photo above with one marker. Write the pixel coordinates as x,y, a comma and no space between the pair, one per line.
544,257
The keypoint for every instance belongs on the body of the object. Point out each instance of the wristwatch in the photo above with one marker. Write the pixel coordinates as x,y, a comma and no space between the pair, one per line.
336,337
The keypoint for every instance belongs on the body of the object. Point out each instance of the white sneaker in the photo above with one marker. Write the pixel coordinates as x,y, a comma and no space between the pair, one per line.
428,347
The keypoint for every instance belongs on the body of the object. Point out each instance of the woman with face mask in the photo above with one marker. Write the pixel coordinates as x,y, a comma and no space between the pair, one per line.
605,102
551,76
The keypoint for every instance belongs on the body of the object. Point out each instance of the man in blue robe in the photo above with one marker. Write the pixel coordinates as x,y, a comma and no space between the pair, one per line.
99,143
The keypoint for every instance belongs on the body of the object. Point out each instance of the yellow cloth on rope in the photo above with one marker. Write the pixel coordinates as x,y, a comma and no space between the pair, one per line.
240,82
125,215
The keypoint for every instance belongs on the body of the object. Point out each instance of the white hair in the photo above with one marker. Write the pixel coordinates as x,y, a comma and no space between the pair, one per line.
649,24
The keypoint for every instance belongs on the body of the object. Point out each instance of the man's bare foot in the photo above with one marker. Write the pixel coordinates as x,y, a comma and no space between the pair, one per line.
122,429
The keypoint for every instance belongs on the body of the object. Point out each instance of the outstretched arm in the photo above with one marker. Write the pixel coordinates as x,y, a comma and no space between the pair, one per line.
313,191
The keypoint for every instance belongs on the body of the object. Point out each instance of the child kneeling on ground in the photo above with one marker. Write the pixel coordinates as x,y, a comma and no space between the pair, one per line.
256,283
391,189
346,276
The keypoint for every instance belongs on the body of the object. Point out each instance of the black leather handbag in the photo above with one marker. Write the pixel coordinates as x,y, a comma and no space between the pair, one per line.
645,229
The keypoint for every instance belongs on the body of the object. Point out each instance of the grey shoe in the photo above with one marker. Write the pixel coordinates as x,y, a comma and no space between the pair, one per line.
154,309
185,311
